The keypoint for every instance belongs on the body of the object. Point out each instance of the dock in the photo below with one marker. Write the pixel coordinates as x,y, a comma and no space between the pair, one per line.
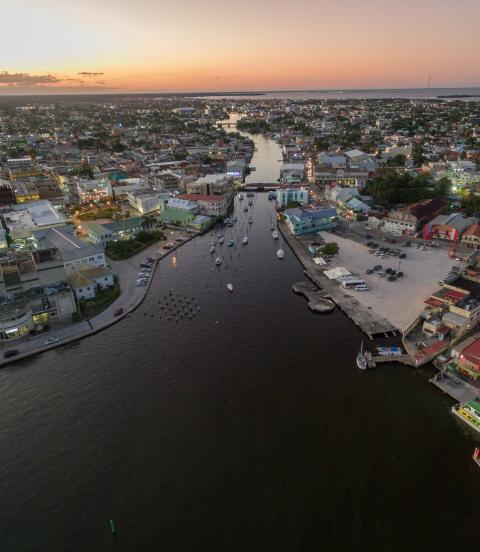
389,359
372,324
454,387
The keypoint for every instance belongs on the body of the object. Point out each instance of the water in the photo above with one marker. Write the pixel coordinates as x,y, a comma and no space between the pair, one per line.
247,427
405,93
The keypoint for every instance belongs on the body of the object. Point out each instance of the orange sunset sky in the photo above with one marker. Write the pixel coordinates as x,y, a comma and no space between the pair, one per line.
213,45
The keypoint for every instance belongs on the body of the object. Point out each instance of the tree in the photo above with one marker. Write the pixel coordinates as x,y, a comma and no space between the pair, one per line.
330,249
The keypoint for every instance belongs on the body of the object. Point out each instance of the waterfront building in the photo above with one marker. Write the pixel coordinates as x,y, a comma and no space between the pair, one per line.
177,217
447,227
183,205
347,177
410,219
212,184
291,194
86,282
308,221
293,173
103,233
212,205
236,169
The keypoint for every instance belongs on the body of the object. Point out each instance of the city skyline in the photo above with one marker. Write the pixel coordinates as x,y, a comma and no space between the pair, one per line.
127,46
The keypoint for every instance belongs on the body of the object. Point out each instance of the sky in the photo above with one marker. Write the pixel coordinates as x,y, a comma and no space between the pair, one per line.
83,46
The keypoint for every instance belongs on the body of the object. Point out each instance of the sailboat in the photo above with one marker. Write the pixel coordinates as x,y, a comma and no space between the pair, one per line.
281,252
218,261
275,235
361,360
245,240
240,197
250,220
212,249
230,288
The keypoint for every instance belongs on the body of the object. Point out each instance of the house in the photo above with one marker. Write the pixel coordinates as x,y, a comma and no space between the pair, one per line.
307,221
211,184
410,219
89,191
145,201
86,282
447,227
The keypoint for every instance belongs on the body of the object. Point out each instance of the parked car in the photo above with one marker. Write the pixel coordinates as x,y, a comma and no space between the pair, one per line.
400,274
392,278
11,353
51,340
377,267
369,271
402,256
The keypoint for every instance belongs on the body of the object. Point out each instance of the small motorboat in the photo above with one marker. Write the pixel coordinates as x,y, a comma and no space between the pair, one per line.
245,209
275,235
212,249
245,240
250,220
230,287
389,351
218,261
250,202
280,253
221,239
213,243
230,243
240,197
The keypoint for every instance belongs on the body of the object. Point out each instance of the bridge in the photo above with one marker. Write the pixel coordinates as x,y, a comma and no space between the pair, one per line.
227,124
260,186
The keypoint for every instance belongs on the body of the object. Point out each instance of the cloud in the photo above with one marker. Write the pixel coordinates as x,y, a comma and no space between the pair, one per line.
89,74
25,79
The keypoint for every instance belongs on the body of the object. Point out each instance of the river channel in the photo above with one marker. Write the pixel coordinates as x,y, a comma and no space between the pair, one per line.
225,421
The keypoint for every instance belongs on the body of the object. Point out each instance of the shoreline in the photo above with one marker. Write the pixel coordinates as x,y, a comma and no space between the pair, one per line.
82,334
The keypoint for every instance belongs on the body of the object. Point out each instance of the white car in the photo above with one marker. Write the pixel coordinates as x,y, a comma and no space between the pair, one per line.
52,340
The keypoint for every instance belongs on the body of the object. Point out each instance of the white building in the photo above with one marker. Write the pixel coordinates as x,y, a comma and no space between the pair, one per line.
145,201
88,191
292,172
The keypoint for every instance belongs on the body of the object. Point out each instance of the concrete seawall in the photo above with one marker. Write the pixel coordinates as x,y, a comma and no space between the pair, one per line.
369,322
86,328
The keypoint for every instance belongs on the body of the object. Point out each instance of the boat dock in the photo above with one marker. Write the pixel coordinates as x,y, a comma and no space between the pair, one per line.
454,387
368,321
389,359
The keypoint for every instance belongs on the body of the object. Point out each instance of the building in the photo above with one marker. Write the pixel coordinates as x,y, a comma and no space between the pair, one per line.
409,220
212,205
177,217
471,236
74,253
85,283
447,227
103,233
292,173
290,194
145,201
307,221
236,168
212,184
90,191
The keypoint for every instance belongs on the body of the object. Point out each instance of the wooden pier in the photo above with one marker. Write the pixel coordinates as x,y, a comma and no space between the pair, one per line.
368,321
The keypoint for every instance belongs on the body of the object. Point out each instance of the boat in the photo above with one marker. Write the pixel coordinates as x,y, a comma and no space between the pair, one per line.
230,243
245,209
250,194
250,202
389,351
240,197
230,223
275,235
218,261
245,240
272,227
221,239
476,456
212,249
230,287
280,253
250,220
220,235
213,243
271,195
469,413
361,360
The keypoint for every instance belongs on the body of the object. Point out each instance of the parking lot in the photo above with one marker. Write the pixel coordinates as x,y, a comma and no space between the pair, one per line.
399,301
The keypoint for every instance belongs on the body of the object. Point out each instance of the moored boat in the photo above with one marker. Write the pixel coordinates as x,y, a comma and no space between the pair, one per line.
212,249
389,351
218,261
221,239
231,243
275,235
280,253
230,287
469,413
476,456
250,220
240,197
245,240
